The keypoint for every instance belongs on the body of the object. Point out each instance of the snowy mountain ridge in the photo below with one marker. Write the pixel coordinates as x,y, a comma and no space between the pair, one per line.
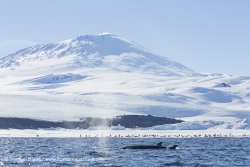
106,75
99,51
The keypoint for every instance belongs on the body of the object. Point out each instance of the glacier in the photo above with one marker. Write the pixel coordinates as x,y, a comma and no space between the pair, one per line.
106,75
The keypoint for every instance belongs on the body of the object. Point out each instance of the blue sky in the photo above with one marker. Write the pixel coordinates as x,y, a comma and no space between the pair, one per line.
206,36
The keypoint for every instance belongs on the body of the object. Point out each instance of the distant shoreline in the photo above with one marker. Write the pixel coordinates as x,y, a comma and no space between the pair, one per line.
127,121
128,133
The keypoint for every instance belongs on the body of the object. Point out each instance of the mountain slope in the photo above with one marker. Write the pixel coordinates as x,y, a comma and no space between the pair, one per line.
106,75
98,51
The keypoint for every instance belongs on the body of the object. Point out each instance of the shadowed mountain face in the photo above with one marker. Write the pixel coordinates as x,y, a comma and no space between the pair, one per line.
128,121
97,51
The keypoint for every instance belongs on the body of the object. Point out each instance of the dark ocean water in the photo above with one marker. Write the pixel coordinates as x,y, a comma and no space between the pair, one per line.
199,152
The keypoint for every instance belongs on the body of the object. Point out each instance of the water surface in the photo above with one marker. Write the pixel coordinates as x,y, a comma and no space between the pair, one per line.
199,152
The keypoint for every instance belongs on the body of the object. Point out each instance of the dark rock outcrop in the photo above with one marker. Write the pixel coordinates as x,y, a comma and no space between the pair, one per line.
128,121
225,85
132,121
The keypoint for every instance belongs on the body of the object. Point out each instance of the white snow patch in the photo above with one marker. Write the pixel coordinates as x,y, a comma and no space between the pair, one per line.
118,127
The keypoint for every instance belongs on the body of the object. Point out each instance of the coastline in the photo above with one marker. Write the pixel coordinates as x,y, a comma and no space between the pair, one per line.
128,133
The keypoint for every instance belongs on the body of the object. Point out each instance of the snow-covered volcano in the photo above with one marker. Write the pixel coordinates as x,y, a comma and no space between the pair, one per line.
106,50
106,75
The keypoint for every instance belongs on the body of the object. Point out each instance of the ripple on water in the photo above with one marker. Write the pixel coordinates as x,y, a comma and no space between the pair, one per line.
92,152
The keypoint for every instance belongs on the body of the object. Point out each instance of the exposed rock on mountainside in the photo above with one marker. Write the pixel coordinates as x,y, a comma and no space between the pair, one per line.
128,121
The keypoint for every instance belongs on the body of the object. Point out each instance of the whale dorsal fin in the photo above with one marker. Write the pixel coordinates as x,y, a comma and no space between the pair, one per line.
159,144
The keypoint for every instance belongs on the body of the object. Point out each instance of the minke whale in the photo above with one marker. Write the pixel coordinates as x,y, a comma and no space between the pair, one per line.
158,146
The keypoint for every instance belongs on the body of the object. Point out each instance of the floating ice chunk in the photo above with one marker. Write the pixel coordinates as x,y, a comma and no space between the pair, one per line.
118,127
99,128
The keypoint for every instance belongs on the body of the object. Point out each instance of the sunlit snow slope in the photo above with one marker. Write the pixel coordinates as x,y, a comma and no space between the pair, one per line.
106,75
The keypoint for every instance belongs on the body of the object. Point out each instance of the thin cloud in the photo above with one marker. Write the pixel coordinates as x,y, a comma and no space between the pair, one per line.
9,46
